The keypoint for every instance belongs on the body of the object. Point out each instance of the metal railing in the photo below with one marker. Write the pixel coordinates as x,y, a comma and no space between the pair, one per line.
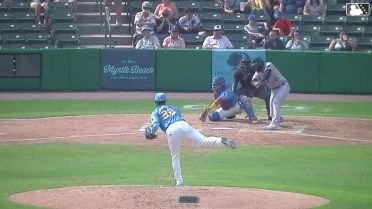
107,27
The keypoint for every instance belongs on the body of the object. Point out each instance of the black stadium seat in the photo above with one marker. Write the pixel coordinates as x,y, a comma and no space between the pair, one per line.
312,20
210,17
330,30
335,20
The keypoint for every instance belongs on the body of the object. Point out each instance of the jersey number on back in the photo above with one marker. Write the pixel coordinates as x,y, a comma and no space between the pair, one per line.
166,113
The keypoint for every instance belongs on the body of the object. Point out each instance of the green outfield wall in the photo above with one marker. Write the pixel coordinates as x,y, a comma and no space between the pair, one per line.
182,70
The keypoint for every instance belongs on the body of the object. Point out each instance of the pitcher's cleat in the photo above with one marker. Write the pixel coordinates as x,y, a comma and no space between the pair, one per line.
228,142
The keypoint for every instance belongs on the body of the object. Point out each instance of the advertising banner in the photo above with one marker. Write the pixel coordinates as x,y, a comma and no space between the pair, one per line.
128,69
225,62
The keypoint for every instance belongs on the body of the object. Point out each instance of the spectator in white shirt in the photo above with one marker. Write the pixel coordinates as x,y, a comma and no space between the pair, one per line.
189,23
217,41
148,41
145,17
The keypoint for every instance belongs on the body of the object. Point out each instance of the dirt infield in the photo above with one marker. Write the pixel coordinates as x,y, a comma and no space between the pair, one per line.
127,129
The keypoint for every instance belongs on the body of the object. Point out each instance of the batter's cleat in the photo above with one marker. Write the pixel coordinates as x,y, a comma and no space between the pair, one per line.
271,127
179,185
231,117
269,118
228,142
254,121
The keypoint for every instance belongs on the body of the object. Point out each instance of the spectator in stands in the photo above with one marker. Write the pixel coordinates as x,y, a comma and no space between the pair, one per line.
252,29
6,1
315,7
148,41
40,6
296,43
118,9
168,10
165,25
342,43
145,17
282,24
274,42
237,6
260,6
217,41
292,6
174,40
190,23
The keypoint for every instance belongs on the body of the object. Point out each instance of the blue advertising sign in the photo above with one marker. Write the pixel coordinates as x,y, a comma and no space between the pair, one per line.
225,62
128,69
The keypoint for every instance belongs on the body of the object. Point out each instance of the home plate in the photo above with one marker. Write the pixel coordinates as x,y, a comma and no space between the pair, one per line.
221,128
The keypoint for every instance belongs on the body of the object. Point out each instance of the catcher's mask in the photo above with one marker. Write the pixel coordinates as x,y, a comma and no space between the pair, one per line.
218,83
245,64
258,64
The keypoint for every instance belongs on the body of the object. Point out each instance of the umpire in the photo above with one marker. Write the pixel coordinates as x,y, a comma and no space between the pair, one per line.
244,75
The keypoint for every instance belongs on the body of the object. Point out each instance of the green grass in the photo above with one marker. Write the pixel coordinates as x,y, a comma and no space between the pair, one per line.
342,174
48,108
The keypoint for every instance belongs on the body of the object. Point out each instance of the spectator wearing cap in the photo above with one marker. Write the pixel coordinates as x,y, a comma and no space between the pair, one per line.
237,6
190,24
174,40
217,41
252,29
145,17
148,41
282,25
274,42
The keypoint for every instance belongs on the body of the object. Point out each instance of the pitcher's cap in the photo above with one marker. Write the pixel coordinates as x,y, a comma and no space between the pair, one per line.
159,97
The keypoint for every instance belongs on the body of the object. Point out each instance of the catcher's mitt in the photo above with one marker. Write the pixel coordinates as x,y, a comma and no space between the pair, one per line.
148,134
204,114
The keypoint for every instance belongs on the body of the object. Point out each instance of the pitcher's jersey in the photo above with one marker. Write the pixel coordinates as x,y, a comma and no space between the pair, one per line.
229,98
165,115
275,80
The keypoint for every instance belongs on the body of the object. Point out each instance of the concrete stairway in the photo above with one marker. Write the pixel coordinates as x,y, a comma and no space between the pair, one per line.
92,29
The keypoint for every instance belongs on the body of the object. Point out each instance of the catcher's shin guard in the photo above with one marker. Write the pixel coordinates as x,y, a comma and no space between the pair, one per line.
249,111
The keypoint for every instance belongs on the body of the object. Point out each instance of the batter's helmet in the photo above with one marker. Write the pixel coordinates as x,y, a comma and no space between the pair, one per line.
218,83
258,61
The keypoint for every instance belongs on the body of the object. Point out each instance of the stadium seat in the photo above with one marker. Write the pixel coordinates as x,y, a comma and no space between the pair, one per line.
182,5
312,20
9,28
234,18
3,7
295,19
239,38
193,46
330,30
368,31
357,20
209,27
364,42
336,9
354,30
37,46
231,28
37,39
320,41
335,20
193,39
67,41
210,17
241,45
30,28
306,38
329,2
59,6
207,6
285,39
309,29
319,48
15,46
66,17
6,17
262,18
21,17
13,38
64,28
18,6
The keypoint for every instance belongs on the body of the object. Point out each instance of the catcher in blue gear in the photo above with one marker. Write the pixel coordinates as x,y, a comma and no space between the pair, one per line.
228,102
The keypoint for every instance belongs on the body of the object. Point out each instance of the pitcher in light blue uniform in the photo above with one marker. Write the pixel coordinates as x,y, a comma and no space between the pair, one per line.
170,121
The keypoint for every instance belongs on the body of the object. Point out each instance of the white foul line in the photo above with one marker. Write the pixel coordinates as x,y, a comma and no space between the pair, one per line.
66,137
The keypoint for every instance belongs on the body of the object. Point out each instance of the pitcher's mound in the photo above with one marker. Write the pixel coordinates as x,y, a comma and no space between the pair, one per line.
155,197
